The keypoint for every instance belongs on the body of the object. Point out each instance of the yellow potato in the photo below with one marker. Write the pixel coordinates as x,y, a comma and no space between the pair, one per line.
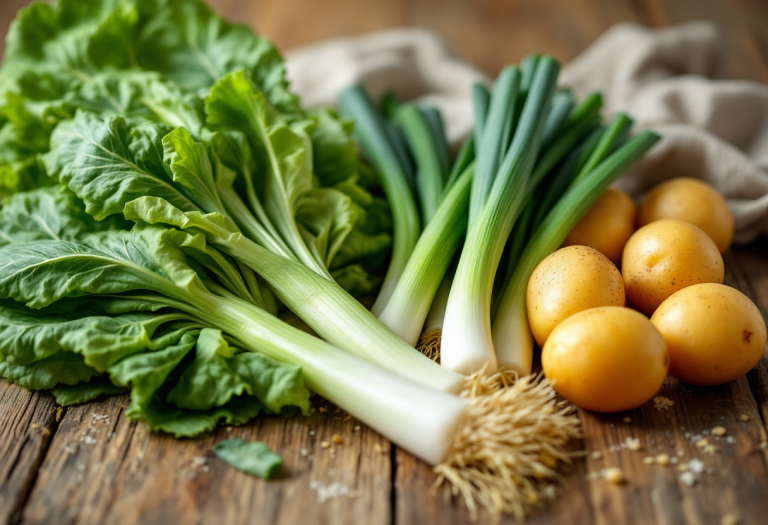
607,225
606,359
693,201
571,280
664,257
714,333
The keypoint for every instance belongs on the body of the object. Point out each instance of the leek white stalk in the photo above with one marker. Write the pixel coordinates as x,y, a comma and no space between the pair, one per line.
512,336
467,345
431,336
337,317
410,302
421,420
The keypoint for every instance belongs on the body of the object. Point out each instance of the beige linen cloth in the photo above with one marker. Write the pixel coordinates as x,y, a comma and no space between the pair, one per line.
667,79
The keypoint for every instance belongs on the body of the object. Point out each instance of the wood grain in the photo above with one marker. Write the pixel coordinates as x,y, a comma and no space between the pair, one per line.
93,466
102,469
27,421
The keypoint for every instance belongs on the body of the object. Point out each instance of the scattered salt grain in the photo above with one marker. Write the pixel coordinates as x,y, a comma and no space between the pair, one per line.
357,428
324,444
88,440
649,460
696,466
311,432
597,454
304,452
633,444
731,440
326,492
688,478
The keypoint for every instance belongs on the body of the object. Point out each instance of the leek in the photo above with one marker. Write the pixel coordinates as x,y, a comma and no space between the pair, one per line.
410,301
481,99
432,170
495,135
467,345
355,103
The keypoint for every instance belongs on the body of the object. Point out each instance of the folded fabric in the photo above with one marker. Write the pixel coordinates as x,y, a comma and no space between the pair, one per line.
668,79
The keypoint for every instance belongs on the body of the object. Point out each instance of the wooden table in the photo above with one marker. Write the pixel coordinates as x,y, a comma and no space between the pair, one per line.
88,464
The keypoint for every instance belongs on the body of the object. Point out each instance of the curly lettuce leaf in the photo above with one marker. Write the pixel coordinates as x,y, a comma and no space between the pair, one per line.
52,213
67,395
187,397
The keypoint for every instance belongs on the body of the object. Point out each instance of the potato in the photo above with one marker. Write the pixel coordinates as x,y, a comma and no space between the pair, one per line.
570,280
714,333
607,225
606,359
664,257
693,201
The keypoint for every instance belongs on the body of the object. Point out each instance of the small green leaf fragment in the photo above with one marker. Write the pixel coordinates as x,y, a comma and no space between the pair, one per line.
252,457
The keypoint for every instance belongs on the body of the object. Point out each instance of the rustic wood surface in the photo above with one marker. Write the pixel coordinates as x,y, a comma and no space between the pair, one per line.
88,464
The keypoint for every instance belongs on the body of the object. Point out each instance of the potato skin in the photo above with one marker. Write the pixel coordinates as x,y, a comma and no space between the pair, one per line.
607,225
606,359
693,201
714,333
664,257
569,281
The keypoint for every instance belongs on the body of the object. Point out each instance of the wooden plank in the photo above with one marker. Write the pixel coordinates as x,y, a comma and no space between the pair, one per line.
8,9
27,421
743,25
416,503
491,34
293,23
103,469
750,275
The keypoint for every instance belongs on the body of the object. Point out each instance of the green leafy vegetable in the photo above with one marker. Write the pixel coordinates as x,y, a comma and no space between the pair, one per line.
252,457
